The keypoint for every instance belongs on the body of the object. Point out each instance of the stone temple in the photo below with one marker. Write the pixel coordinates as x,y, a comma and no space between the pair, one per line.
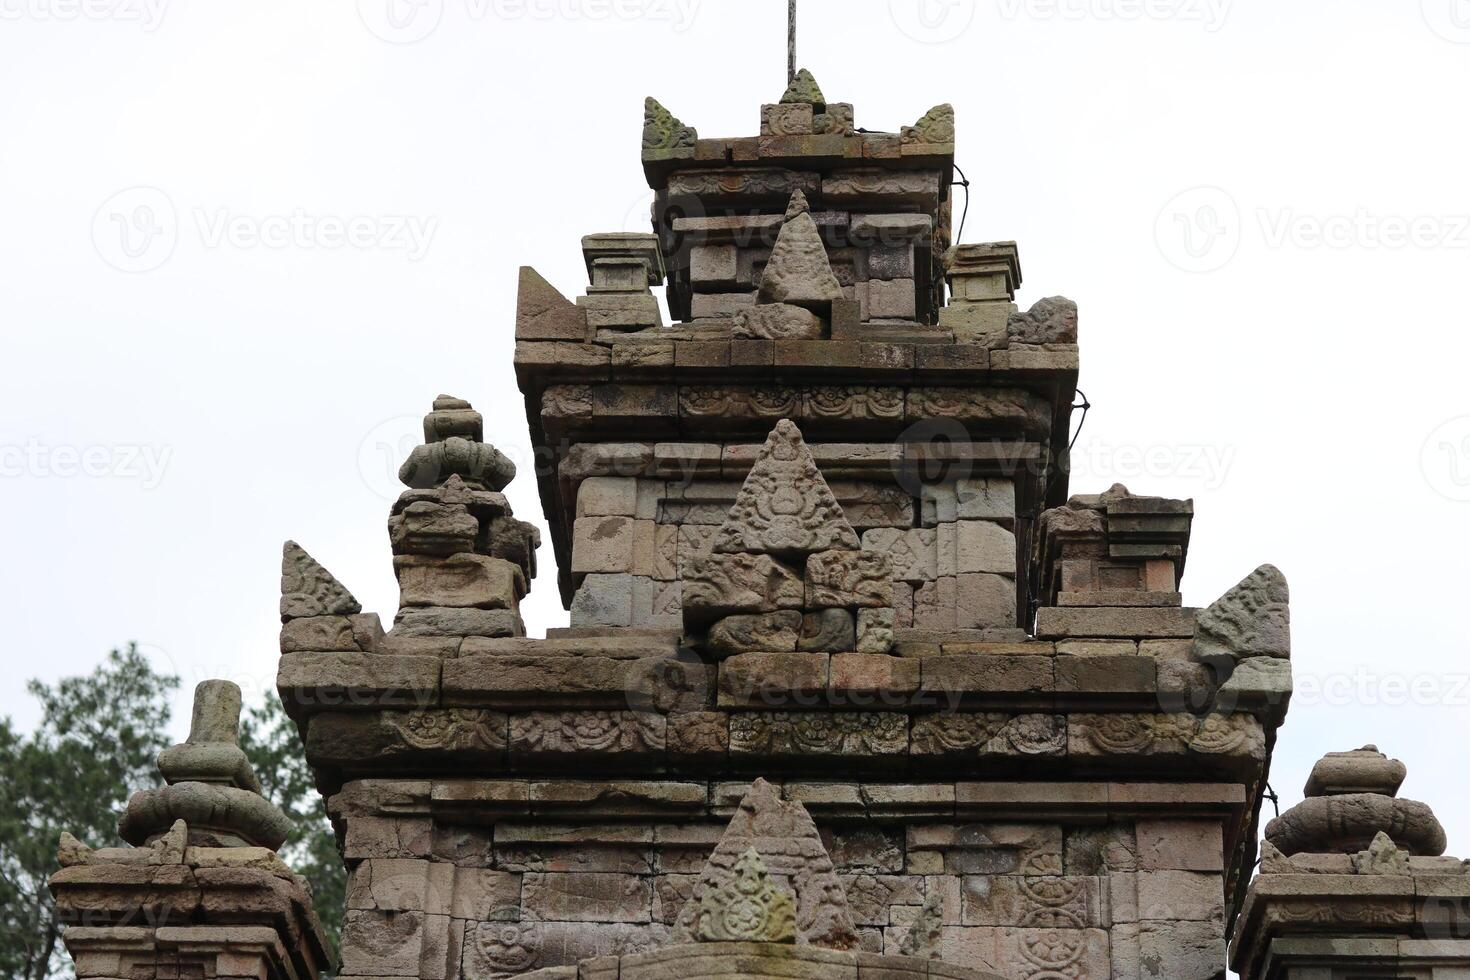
855,688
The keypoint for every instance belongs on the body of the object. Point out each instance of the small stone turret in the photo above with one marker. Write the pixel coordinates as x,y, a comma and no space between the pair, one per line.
1352,883
203,894
210,784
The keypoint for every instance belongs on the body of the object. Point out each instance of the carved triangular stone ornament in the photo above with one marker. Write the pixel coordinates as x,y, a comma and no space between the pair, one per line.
783,835
749,907
308,589
799,271
785,507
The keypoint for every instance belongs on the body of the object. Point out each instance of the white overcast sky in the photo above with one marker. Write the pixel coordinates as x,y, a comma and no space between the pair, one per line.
1261,207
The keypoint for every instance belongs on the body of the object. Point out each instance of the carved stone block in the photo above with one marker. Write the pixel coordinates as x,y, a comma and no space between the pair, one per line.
848,579
720,585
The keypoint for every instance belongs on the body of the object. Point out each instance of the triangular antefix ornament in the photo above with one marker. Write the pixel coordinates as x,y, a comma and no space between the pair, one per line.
785,507
783,835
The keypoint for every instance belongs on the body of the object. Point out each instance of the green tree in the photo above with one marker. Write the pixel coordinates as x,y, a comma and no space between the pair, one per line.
273,744
97,743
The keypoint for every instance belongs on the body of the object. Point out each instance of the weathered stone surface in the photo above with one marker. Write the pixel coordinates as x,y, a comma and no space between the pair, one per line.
543,313
785,506
1251,620
217,816
464,581
799,272
426,623
1364,770
747,907
766,633
1180,845
212,753
776,321
1349,823
427,528
587,897
793,735
849,579
982,546
771,679
1051,321
1259,684
828,631
804,90
875,630
914,553
479,464
604,600
308,589
935,126
719,585
603,544
662,131
784,836
984,599
1054,622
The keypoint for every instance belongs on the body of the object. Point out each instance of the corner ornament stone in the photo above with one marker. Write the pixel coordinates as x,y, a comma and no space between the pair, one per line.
747,908
1251,620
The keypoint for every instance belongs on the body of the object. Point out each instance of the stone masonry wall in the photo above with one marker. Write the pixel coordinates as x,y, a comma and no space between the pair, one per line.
953,547
1029,900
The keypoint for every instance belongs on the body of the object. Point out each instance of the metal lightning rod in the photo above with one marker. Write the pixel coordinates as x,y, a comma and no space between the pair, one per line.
790,41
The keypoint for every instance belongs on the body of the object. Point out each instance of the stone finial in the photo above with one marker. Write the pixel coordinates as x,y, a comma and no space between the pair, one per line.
1364,770
747,907
211,786
799,271
935,126
1049,321
453,417
785,507
662,131
212,752
804,89
308,589
478,463
787,842
1351,818
1251,620
924,935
